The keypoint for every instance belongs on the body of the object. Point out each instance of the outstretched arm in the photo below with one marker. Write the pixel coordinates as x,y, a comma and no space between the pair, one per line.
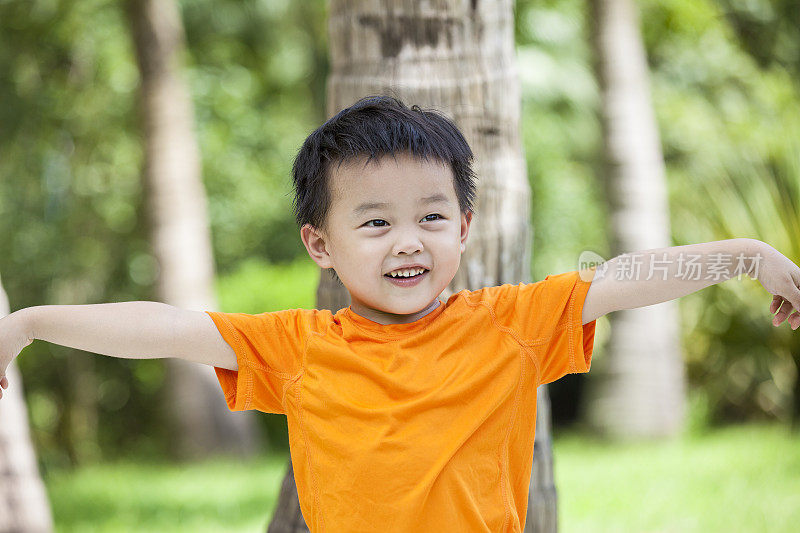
653,276
130,330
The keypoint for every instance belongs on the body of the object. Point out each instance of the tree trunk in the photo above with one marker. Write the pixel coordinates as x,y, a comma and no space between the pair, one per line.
23,500
639,389
180,232
458,57
288,518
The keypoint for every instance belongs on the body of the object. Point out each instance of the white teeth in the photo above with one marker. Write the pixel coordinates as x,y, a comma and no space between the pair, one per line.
406,273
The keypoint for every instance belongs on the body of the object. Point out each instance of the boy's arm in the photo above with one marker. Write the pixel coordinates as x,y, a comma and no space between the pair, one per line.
131,330
653,276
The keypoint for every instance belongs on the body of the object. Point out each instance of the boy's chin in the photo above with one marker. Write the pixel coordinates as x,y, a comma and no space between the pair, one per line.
416,304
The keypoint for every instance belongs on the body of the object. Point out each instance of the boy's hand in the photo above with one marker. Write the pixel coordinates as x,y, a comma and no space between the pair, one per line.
781,277
14,336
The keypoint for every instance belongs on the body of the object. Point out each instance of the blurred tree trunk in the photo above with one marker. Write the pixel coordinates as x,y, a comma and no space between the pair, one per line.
457,57
23,500
179,227
80,412
639,389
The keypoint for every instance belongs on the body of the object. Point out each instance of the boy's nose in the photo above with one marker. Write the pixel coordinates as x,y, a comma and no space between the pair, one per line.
408,243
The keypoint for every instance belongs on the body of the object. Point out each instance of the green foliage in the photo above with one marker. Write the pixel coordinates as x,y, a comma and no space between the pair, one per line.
769,30
729,121
70,185
74,229
69,192
258,287
561,134
729,126
257,71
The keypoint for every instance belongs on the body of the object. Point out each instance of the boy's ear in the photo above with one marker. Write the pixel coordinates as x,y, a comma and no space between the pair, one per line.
315,244
466,220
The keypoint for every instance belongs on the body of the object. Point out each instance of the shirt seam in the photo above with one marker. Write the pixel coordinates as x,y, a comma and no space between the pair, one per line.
393,336
249,377
309,462
525,345
253,365
292,380
571,331
570,326
250,366
503,454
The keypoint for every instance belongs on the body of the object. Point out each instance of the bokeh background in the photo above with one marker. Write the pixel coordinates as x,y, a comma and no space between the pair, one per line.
724,78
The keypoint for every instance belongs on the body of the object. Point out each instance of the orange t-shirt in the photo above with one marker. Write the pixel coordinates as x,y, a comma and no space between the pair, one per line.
425,426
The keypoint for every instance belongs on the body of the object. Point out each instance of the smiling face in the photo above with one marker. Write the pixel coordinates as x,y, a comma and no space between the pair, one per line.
387,214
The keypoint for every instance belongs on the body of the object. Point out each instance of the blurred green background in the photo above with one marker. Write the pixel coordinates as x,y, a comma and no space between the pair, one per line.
724,76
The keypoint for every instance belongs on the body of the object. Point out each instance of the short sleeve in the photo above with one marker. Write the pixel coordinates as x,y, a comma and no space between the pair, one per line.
546,317
269,350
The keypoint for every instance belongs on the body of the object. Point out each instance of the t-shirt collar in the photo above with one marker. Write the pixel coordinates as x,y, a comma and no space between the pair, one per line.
366,324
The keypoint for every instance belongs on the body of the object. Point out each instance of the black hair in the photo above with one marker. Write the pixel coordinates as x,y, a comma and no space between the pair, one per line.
375,126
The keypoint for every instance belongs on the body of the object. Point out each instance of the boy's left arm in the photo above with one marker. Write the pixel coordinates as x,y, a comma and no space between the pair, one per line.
653,276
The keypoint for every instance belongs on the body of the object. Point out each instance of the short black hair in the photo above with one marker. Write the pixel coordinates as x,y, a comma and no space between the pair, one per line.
375,126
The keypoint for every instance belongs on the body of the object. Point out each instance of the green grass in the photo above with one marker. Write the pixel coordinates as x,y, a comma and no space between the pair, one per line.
212,496
743,478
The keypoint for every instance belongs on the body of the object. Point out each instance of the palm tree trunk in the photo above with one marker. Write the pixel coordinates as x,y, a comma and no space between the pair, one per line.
180,231
542,498
23,500
458,57
639,389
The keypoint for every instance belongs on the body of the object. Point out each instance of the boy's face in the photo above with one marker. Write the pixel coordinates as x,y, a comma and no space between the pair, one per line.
363,245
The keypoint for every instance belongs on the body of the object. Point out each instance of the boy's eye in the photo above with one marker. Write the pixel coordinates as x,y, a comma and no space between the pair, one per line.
375,220
384,222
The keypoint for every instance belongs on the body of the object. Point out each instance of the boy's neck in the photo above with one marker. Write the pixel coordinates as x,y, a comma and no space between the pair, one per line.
390,318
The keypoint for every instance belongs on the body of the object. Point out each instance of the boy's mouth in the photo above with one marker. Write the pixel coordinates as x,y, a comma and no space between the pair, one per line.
420,271
406,281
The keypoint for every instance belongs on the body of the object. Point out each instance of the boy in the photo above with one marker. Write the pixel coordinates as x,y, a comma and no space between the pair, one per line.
405,413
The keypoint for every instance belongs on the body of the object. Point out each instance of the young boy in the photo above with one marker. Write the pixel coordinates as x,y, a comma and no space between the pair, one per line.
405,413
